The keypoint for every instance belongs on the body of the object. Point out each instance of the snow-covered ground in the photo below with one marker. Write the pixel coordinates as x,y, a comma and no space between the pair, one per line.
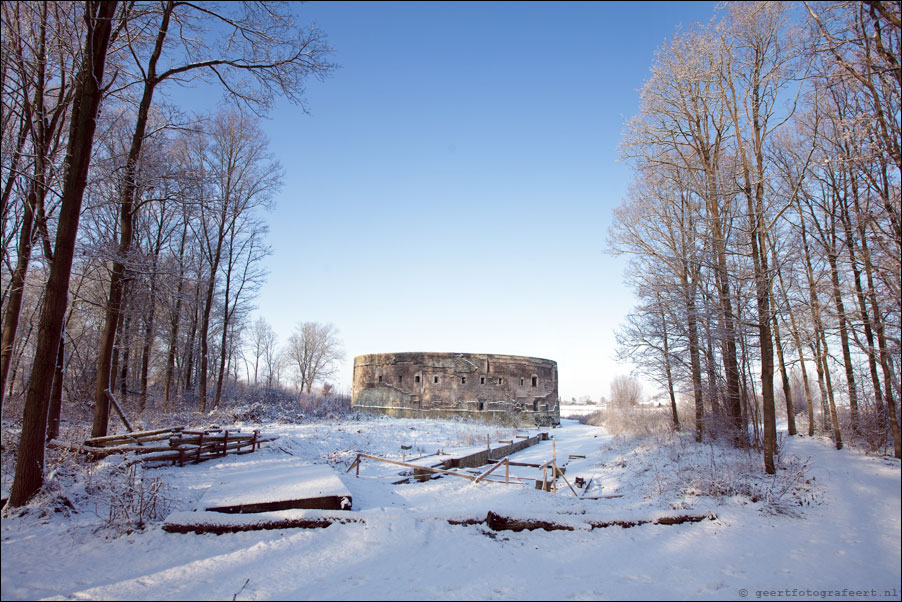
575,410
828,527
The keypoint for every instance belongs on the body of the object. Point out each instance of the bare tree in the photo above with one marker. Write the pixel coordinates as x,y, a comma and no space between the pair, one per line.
758,65
30,462
626,391
314,350
261,343
256,53
243,179
683,124
38,39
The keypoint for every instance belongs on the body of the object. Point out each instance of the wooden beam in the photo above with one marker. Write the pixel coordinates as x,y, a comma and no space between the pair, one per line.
490,470
568,483
119,411
425,468
144,435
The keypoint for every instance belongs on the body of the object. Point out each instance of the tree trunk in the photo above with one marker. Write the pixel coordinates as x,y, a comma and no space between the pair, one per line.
16,290
729,355
844,339
823,370
205,321
127,209
176,316
204,329
667,370
30,463
862,306
695,366
35,196
56,394
192,334
889,398
125,354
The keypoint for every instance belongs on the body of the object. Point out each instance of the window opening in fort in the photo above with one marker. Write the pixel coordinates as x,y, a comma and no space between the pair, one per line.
521,381
435,379
481,380
380,378
463,380
416,379
500,381
400,379
535,381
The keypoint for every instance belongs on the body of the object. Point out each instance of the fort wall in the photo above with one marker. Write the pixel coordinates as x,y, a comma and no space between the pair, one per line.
510,389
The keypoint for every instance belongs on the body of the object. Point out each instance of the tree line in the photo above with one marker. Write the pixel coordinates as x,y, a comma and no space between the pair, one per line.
762,224
133,235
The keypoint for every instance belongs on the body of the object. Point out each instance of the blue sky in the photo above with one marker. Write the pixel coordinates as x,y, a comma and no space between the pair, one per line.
451,187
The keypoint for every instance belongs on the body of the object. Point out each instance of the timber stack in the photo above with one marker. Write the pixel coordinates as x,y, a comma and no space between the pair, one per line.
177,444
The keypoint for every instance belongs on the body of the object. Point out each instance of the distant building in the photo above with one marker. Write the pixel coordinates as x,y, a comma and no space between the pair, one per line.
510,389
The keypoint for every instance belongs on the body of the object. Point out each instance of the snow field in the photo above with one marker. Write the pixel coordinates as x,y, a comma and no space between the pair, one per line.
830,520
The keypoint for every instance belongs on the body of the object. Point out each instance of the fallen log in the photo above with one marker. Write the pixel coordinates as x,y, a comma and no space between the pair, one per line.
119,410
102,441
103,452
499,522
220,528
214,522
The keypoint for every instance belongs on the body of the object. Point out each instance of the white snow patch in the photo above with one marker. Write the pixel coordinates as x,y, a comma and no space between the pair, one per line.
829,521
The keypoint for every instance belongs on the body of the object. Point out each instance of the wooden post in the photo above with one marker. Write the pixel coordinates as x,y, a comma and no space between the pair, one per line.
200,446
355,464
507,471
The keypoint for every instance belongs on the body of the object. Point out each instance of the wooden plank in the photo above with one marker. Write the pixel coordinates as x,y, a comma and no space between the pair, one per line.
490,471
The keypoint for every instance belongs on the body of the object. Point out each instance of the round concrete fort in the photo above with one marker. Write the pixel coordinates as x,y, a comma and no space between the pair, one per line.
510,389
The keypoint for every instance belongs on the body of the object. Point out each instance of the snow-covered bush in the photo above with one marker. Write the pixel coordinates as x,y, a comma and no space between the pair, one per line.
635,421
131,498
